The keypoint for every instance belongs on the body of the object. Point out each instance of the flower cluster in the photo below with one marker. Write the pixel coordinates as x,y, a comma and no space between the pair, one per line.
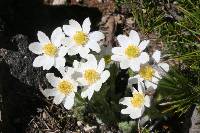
131,55
71,39
88,74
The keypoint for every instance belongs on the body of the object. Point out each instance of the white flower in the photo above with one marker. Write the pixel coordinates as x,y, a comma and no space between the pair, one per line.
64,89
50,52
81,39
73,71
156,56
150,74
135,104
130,54
93,76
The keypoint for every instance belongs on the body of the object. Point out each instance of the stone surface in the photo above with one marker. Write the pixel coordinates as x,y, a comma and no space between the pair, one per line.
195,119
20,63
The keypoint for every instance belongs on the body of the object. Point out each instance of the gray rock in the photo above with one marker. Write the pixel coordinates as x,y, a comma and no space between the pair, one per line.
195,119
20,63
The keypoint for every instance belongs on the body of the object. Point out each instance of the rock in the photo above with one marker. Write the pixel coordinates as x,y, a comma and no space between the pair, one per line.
195,119
20,63
55,2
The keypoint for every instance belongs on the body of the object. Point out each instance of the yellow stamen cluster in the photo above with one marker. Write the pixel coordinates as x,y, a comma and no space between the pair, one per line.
80,38
137,100
91,76
132,51
146,72
65,87
49,49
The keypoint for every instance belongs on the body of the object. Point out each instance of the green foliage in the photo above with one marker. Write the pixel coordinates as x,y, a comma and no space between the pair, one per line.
120,2
79,107
127,127
104,104
177,25
192,60
177,92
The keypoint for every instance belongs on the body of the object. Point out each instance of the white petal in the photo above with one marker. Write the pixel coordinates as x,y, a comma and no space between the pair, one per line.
134,90
126,110
59,62
69,101
90,94
39,61
69,30
156,76
125,101
58,98
75,24
118,50
82,81
57,36
149,84
156,56
101,65
84,93
144,58
134,37
66,41
164,66
63,51
117,57
86,25
124,64
141,87
62,70
135,65
123,40
136,113
96,86
133,80
105,75
35,47
49,92
48,62
87,93
74,50
69,71
147,101
42,37
76,64
96,35
83,52
92,62
94,46
52,79
143,45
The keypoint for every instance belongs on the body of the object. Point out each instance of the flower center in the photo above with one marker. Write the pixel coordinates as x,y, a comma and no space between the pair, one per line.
49,49
80,38
132,51
65,87
146,72
107,59
137,100
91,76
